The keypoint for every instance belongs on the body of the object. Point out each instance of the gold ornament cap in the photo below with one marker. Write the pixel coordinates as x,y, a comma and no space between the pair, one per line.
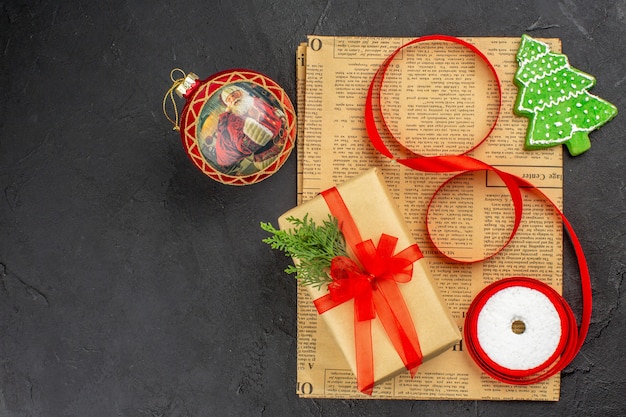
186,84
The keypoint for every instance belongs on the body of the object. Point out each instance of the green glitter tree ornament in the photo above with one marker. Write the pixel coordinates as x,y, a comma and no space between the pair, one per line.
554,97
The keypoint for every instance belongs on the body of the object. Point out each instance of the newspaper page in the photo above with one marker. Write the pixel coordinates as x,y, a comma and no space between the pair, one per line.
438,98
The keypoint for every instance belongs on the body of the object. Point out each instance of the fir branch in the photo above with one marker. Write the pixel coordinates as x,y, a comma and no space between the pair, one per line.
311,245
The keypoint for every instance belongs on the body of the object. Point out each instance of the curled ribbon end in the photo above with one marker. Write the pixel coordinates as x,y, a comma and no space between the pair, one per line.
413,369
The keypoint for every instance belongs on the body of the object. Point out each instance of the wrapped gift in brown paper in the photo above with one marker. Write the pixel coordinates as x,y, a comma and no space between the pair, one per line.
374,213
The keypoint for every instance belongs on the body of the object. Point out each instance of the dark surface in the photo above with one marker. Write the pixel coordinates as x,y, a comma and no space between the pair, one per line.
133,285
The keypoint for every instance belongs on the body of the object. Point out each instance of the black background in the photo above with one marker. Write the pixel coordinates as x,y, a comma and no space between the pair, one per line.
133,285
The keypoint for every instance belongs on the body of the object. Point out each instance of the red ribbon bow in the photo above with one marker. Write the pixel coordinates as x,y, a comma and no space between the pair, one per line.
375,292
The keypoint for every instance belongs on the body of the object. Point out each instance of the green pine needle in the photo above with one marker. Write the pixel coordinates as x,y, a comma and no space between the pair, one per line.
313,246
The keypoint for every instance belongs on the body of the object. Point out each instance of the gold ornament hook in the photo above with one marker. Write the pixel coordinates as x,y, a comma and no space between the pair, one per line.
170,93
180,86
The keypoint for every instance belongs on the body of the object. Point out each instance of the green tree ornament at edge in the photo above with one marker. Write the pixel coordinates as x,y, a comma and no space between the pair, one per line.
554,96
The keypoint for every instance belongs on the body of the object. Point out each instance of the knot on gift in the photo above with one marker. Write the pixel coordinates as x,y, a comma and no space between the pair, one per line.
351,281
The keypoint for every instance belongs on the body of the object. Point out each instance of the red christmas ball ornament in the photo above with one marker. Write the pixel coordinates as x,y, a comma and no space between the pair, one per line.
237,126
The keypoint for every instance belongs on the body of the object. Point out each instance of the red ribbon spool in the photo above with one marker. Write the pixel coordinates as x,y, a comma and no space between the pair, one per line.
560,356
461,164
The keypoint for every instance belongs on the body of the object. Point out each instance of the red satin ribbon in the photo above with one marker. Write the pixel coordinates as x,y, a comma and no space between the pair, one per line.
462,164
373,287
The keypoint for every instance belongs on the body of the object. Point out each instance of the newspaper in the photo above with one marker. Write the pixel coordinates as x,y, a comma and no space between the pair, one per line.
438,98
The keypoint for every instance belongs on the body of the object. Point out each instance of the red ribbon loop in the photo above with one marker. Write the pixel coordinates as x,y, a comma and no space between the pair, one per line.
462,164
375,292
